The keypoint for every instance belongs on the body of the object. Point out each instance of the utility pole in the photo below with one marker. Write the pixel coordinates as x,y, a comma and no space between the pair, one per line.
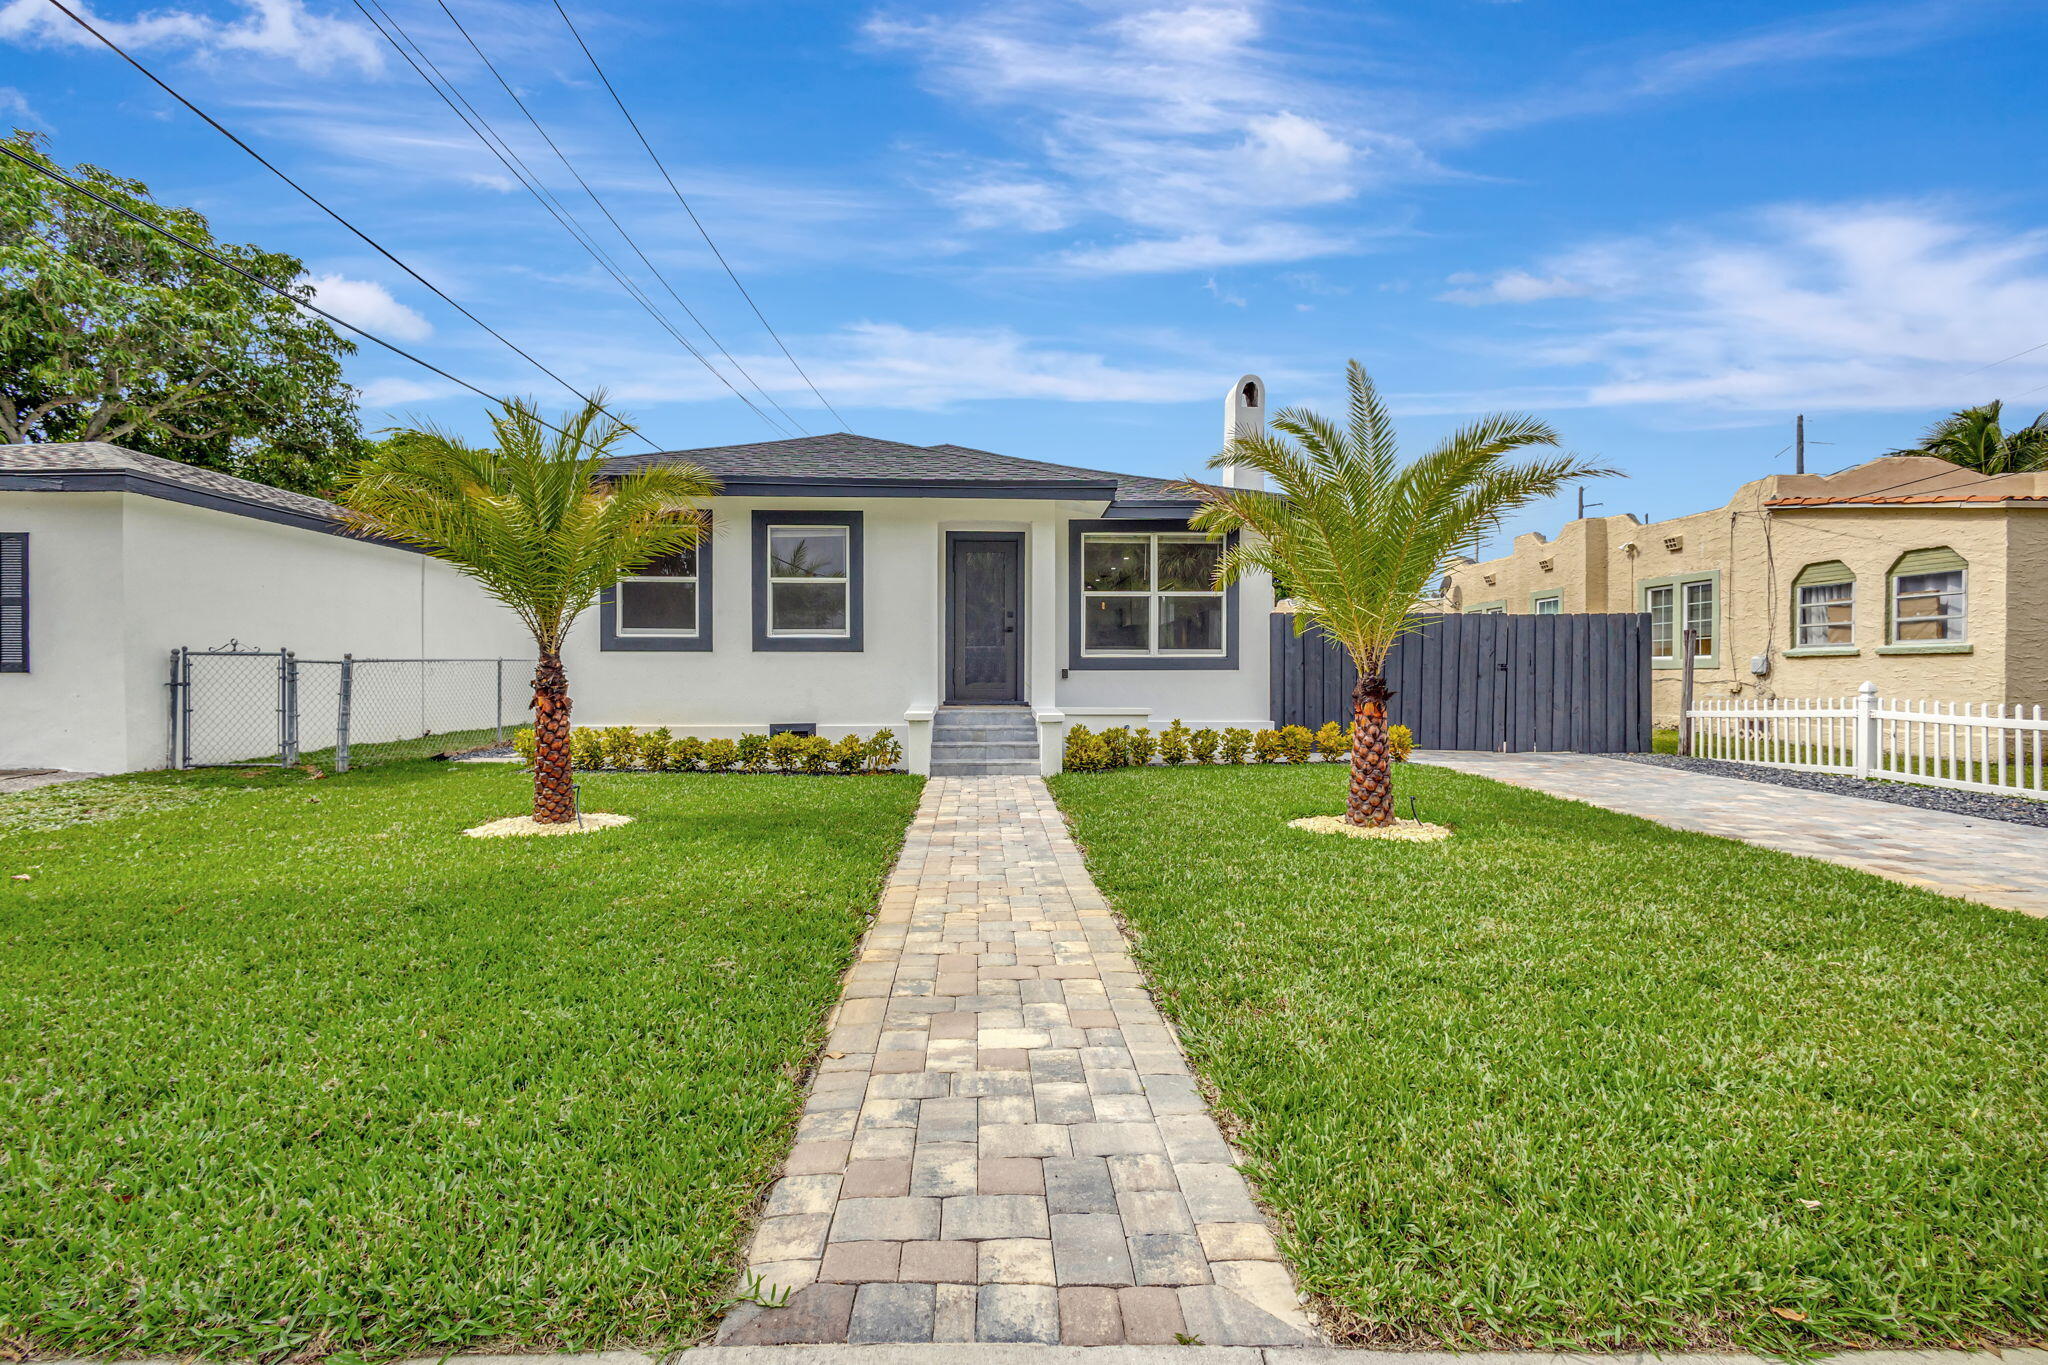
1799,444
1583,504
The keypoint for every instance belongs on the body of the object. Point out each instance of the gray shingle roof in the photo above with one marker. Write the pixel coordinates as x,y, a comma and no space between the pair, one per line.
843,458
101,457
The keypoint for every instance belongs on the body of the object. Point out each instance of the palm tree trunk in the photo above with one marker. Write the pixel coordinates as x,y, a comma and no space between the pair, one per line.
554,796
1372,784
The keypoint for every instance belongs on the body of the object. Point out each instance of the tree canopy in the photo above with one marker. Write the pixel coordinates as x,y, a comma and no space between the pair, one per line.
1974,438
112,332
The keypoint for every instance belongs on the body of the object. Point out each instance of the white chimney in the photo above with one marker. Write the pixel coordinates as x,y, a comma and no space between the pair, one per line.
1244,414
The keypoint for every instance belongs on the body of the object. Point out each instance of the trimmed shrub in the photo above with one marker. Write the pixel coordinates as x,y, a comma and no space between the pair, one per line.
1237,742
883,751
1401,740
523,743
1266,746
1091,755
585,748
650,750
1202,745
1296,743
719,754
685,754
753,753
618,746
849,753
1331,741
786,750
1173,743
1144,744
813,754
1077,737
1118,743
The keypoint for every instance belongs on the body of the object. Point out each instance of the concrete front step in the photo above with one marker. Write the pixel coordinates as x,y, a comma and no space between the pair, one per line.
991,767
980,749
984,734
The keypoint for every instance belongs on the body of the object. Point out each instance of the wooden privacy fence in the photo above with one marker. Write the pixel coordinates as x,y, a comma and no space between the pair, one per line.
1495,682
1974,747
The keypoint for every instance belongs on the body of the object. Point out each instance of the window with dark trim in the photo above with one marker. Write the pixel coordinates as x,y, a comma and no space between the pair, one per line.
1142,595
807,581
666,606
13,601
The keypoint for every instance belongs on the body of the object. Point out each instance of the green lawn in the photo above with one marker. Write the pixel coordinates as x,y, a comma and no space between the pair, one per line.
293,1067
1575,1079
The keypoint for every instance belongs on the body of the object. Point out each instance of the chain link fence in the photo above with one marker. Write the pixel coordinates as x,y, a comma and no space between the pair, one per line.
236,706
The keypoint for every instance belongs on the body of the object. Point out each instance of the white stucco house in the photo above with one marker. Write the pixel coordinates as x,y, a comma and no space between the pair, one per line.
977,603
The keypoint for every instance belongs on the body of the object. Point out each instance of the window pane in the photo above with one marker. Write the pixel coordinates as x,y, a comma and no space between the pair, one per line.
807,552
807,608
658,606
1826,615
1549,606
1659,600
1699,616
1191,623
1188,566
1929,606
681,564
1120,565
1116,623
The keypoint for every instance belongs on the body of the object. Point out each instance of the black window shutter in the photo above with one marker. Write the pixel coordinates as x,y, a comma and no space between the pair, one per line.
13,601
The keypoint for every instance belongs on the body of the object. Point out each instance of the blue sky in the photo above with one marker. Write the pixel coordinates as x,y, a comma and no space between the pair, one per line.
1059,230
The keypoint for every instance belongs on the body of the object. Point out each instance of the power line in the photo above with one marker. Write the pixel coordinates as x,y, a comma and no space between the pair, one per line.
2014,356
495,143
320,204
54,174
701,230
603,208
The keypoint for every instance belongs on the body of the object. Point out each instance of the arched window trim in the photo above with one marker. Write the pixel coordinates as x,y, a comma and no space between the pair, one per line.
1923,587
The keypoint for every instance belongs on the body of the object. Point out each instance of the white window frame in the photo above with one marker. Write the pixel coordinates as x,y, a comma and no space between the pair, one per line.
1551,605
1961,619
1822,625
844,580
1679,592
695,580
1156,594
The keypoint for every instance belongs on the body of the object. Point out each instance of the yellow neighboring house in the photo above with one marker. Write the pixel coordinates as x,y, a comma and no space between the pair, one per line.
1926,578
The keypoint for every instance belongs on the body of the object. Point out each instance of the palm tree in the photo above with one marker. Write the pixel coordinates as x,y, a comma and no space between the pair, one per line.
1973,439
1358,536
534,522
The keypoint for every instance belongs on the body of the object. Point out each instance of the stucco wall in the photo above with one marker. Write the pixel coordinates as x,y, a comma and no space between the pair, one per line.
1758,551
731,688
118,580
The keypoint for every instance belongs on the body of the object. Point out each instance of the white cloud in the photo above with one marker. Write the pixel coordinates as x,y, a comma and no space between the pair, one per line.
281,29
370,306
1222,295
1512,286
389,393
1181,124
1873,305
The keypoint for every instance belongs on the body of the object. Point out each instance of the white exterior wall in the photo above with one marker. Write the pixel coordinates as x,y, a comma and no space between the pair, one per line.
118,580
898,677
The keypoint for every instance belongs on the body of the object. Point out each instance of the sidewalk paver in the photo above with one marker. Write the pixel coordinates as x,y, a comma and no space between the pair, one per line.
1991,861
1003,1142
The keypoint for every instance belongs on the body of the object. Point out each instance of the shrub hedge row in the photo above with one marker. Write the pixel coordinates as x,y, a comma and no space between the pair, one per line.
1122,747
622,748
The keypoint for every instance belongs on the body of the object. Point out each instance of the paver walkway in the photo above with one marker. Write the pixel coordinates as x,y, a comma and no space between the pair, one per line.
1003,1143
1990,861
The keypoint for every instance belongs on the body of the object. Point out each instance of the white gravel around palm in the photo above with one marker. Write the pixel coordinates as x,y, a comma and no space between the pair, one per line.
1408,831
517,826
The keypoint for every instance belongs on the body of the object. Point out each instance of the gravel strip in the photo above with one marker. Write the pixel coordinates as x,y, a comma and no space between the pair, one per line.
2017,810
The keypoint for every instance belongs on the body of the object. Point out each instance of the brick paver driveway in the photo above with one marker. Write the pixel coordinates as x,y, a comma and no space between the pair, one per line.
1958,855
1003,1143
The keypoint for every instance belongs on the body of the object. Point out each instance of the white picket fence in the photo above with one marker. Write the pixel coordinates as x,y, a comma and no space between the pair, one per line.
1970,746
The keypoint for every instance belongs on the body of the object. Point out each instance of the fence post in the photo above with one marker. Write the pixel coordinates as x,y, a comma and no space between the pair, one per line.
1689,642
341,706
500,735
185,707
288,753
171,727
1866,738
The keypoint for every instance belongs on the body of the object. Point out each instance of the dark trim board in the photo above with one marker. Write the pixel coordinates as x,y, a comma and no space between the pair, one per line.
115,481
17,542
856,584
1016,540
1068,490
1075,660
609,639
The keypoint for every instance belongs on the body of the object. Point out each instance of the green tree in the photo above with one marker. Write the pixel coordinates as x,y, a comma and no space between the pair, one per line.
111,332
534,521
1974,439
1358,536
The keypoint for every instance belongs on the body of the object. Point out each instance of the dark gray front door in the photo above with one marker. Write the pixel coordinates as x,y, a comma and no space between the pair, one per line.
984,599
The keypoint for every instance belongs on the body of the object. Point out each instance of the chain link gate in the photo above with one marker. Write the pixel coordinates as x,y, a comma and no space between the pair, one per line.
236,707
